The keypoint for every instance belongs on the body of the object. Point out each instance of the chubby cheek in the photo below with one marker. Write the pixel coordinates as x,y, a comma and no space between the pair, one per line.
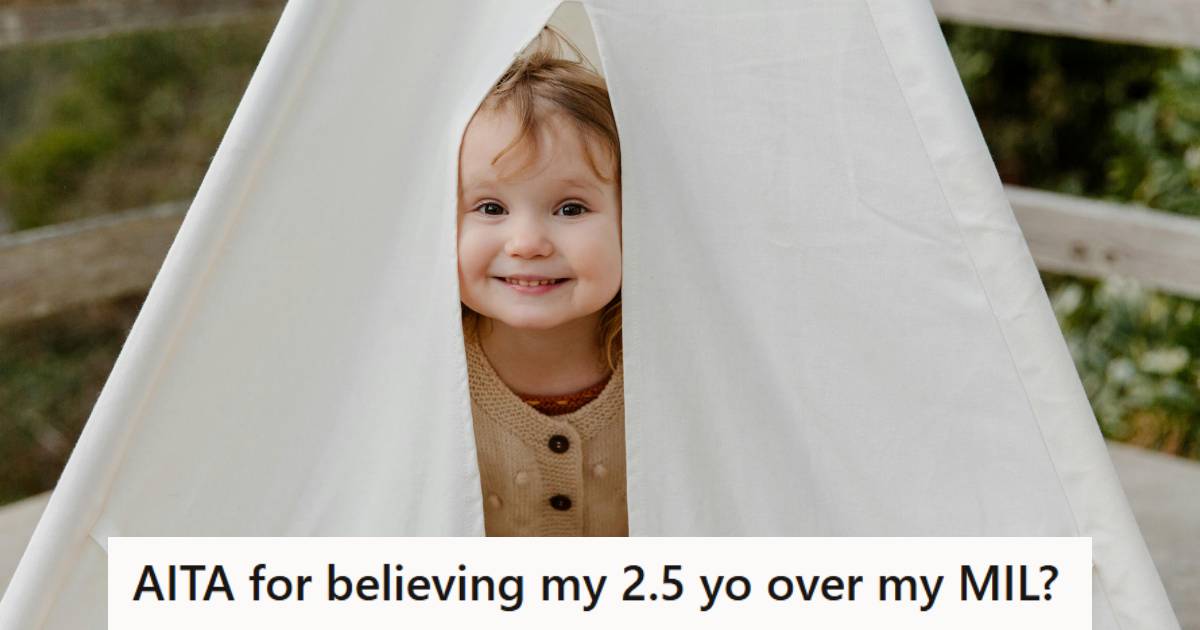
603,255
473,261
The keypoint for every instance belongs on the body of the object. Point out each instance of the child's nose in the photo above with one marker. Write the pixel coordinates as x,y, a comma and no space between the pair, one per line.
528,240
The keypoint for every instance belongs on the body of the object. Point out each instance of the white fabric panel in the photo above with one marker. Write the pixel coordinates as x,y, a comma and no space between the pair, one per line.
805,325
833,326
1125,578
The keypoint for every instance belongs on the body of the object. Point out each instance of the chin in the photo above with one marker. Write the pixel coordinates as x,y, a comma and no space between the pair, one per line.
531,321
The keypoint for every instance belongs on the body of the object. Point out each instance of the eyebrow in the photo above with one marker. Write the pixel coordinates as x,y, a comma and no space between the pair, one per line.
568,181
579,183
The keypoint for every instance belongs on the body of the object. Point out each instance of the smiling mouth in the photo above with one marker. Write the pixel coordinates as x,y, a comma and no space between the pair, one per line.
532,283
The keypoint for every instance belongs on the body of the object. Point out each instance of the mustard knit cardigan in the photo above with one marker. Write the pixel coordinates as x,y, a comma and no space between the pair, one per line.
542,475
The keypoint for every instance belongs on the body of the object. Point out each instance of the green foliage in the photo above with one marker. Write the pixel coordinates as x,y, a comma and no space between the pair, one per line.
1137,354
1157,162
1120,123
40,170
1046,104
50,374
130,120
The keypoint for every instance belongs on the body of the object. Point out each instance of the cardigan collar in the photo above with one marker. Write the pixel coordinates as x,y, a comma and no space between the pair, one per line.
501,403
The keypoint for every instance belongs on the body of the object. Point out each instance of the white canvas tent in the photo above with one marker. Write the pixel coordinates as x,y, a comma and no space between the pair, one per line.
832,323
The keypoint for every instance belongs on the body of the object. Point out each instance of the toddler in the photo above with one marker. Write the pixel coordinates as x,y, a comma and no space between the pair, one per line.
539,262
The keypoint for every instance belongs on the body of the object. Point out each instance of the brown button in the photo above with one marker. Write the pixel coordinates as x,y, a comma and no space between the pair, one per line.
559,443
560,502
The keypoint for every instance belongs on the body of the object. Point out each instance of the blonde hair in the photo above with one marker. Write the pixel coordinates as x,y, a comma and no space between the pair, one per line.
541,83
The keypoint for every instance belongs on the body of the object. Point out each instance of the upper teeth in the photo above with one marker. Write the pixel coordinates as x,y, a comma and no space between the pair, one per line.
529,283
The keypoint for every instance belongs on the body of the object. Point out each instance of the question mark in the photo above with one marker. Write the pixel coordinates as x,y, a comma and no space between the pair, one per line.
1053,576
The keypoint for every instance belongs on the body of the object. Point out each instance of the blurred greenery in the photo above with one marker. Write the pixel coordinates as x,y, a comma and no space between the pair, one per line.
51,372
87,128
1113,122
1136,354
124,122
119,122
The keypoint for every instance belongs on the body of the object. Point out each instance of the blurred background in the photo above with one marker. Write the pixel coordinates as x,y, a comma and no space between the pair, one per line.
110,111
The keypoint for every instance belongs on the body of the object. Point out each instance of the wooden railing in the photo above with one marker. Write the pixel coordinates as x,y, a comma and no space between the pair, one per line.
47,270
1168,23
50,269
1095,239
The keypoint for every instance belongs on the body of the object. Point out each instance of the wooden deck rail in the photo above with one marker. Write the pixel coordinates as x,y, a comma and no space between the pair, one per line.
1167,23
1094,239
46,270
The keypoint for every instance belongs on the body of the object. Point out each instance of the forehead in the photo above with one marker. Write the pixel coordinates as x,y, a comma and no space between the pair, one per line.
556,154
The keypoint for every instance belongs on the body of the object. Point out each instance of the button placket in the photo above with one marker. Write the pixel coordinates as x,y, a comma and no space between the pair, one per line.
561,455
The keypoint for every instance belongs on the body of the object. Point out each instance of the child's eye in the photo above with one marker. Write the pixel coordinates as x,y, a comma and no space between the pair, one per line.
571,210
491,209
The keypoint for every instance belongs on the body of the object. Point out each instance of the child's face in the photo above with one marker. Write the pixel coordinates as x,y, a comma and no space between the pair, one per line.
554,219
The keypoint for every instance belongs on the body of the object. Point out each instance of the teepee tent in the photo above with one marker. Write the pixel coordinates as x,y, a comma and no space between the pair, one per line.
832,323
